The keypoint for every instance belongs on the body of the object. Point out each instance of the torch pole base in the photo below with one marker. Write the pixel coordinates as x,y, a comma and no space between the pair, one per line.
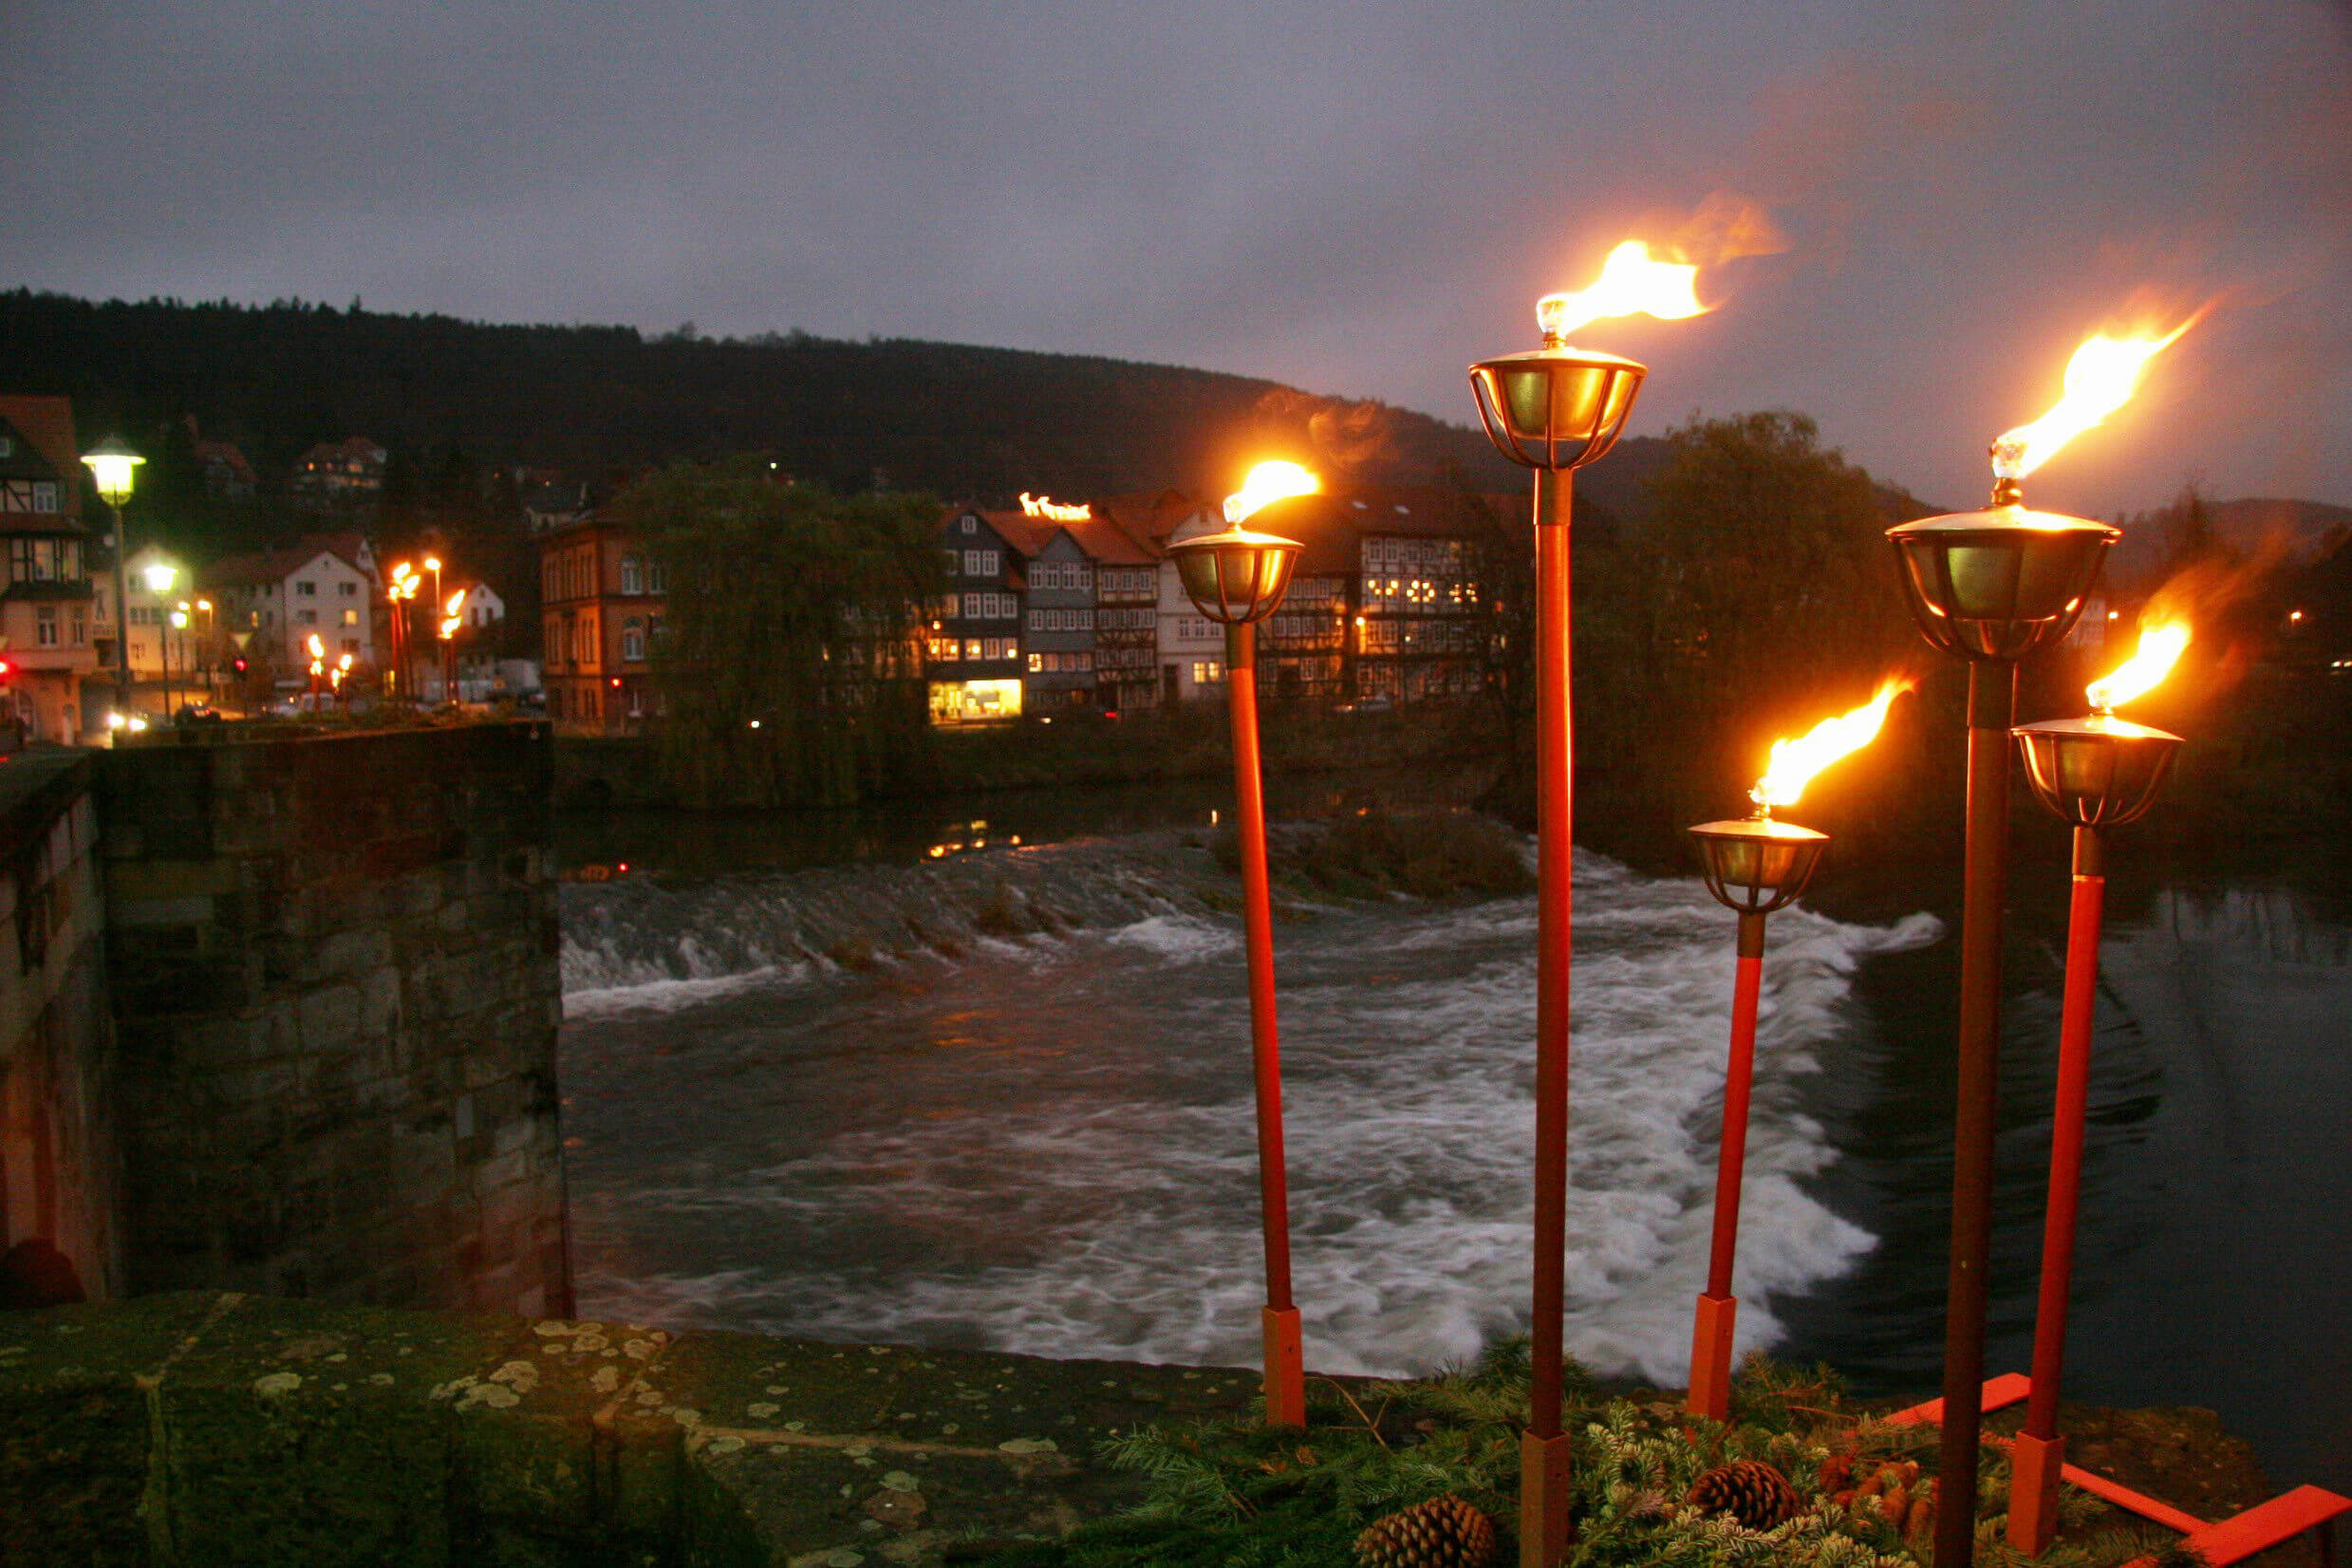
1710,1357
2034,1465
1543,1477
1286,1371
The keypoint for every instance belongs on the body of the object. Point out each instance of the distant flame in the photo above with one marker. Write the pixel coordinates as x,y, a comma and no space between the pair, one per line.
2101,379
1043,506
452,616
1267,483
1630,284
317,646
1794,762
2160,647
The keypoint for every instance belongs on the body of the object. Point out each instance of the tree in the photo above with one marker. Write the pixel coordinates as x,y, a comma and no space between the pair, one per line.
788,660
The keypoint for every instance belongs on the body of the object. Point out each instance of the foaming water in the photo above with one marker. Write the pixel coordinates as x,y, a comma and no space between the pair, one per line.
1004,1101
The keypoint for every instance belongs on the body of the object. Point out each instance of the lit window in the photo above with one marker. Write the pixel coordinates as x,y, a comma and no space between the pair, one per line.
1036,662
971,647
351,617
1207,672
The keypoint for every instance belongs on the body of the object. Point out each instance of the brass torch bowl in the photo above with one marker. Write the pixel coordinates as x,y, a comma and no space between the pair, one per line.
2001,583
1235,576
1556,407
1755,864
2097,771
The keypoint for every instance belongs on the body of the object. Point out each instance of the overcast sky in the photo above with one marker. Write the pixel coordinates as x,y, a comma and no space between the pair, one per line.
1357,199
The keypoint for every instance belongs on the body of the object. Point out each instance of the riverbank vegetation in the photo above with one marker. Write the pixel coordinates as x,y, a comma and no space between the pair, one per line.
1800,1476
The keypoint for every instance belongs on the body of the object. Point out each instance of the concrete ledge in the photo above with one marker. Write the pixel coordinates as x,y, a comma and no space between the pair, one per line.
220,1429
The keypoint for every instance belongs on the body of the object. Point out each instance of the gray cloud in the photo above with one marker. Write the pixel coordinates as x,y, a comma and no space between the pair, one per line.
1357,199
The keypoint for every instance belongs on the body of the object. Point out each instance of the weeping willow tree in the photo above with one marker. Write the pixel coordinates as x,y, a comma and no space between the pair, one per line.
788,657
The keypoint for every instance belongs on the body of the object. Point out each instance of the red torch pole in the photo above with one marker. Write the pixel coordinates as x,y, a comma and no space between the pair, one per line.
2041,1452
1544,1448
1286,1392
1710,1344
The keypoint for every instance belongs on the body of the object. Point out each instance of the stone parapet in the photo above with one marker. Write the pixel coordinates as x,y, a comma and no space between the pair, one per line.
222,1428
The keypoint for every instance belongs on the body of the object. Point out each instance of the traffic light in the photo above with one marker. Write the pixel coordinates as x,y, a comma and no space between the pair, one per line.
237,664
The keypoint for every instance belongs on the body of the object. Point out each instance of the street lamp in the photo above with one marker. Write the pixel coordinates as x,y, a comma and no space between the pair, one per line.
176,622
2094,771
1993,588
111,463
1753,867
1237,577
1552,409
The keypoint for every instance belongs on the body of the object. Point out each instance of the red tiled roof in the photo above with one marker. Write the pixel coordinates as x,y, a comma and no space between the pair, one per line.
1104,541
47,423
275,566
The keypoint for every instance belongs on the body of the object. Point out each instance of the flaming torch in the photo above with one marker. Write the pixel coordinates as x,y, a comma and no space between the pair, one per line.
403,588
452,617
1237,577
1753,867
2094,771
1554,409
1994,586
316,647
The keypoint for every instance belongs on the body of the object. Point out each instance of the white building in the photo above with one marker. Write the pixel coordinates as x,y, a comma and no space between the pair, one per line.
326,586
1192,646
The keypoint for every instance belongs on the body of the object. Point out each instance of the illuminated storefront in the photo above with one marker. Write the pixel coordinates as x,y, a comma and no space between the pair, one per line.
975,702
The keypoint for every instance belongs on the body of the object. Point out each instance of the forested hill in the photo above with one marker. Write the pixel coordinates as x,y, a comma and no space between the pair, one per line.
452,398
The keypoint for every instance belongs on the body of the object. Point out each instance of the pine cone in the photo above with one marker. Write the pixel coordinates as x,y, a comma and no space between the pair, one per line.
1444,1532
1750,1491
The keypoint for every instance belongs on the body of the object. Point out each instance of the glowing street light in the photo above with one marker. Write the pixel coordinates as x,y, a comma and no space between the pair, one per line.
1237,577
111,464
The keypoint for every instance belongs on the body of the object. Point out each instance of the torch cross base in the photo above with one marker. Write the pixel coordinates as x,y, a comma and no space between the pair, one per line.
1710,1357
2035,1464
1286,1376
1544,1470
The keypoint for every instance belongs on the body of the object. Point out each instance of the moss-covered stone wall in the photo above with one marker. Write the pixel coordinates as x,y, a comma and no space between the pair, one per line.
223,1428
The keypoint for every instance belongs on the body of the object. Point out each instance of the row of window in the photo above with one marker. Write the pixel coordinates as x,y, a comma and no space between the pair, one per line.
1127,620
946,650
1061,620
45,560
44,626
1388,592
1062,576
1129,579
991,607
306,588
1434,556
974,562
1059,663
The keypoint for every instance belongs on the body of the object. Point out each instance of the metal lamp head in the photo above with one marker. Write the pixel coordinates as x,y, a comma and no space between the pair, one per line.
2097,771
2000,583
1236,575
1756,864
1556,407
110,463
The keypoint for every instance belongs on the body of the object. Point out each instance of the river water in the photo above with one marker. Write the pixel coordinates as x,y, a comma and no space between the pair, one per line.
912,1080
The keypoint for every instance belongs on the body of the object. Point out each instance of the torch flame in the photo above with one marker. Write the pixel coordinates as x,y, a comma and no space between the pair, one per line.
2160,646
316,645
1268,482
1794,762
1630,284
1052,511
2101,379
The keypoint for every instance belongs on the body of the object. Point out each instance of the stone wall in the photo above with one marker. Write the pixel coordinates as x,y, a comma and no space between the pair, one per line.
58,1184
333,967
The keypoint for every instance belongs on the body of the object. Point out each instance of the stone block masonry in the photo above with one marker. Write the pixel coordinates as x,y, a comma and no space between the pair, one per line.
334,969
